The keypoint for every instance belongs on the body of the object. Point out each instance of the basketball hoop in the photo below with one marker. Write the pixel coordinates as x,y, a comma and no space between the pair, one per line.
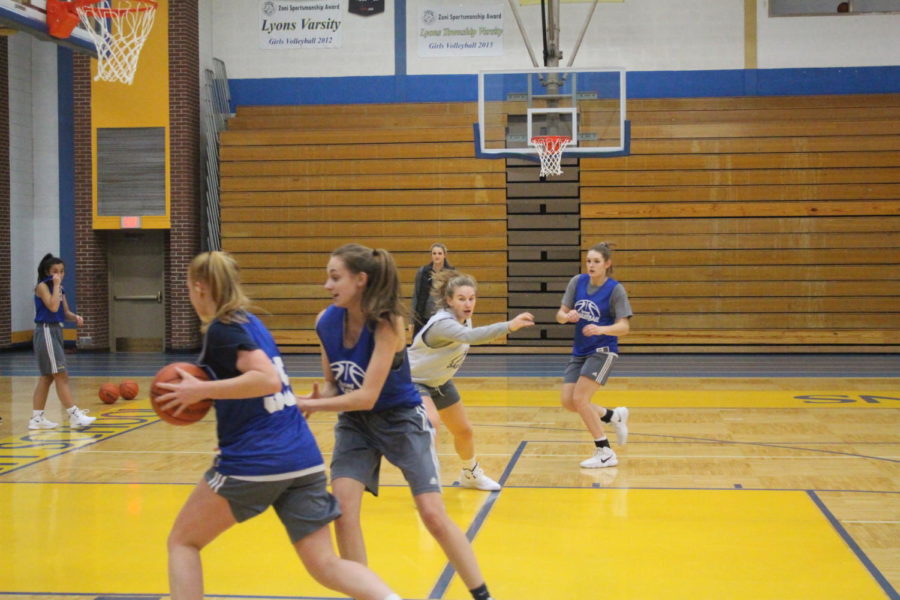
550,149
118,33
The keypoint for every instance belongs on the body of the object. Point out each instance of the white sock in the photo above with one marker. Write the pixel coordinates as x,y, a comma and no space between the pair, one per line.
393,597
36,413
471,463
72,410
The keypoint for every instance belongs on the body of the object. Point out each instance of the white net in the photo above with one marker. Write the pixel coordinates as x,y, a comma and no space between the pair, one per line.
550,149
119,34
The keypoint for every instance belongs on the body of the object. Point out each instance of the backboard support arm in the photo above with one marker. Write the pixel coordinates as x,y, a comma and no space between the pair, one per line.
518,18
587,22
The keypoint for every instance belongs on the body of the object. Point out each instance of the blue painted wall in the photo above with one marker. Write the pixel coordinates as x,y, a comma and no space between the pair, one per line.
641,84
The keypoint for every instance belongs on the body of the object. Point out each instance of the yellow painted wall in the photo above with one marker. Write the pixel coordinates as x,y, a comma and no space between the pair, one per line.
144,103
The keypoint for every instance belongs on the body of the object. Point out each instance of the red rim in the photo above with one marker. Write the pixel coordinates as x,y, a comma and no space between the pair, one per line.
97,11
543,139
551,142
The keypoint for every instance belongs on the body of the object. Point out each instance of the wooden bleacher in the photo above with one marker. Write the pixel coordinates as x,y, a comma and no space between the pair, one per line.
755,224
742,224
299,181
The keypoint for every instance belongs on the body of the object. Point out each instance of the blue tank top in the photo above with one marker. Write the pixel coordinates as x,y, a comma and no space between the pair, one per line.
593,309
257,436
42,314
348,365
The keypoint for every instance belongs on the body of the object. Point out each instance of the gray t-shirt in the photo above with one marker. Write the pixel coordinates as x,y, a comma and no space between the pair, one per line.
618,301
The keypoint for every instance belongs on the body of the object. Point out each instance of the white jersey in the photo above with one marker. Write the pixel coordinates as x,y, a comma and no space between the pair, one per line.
436,366
436,362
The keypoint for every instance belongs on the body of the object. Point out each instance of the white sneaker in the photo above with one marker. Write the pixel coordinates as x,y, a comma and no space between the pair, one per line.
620,422
603,457
41,422
78,419
477,480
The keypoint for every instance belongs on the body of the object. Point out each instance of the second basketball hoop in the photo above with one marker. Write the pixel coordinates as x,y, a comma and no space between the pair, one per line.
118,31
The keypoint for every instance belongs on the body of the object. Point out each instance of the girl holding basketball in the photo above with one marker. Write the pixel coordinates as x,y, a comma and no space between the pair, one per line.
437,353
51,311
599,308
367,380
267,454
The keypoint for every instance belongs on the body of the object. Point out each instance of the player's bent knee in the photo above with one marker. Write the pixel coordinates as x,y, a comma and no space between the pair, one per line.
177,540
568,403
435,519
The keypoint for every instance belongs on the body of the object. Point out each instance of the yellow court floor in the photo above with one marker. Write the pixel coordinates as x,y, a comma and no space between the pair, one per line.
728,488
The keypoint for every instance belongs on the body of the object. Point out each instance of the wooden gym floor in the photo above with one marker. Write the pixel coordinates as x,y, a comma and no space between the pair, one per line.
745,477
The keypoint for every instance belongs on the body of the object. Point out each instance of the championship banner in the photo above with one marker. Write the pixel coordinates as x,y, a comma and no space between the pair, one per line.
291,24
460,30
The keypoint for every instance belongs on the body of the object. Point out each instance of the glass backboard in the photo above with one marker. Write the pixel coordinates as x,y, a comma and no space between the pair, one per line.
586,105
31,16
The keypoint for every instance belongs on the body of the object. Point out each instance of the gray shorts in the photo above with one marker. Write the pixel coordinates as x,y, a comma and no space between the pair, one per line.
443,396
48,348
403,435
596,366
303,504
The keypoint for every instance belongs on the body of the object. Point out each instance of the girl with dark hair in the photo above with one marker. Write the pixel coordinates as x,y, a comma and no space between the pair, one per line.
267,454
437,353
599,308
367,380
50,313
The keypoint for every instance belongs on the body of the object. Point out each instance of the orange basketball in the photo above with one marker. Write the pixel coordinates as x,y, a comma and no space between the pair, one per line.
168,374
109,393
128,390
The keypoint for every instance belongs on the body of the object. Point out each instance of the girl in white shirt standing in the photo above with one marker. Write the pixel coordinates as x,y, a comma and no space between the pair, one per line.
437,353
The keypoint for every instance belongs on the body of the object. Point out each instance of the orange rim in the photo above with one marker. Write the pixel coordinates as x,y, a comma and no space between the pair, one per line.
98,11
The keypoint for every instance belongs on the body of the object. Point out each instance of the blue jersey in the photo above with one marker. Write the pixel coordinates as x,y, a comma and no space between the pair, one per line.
262,436
348,365
42,314
593,309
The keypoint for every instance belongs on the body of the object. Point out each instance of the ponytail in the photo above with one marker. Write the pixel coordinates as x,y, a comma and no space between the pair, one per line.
221,273
47,263
381,296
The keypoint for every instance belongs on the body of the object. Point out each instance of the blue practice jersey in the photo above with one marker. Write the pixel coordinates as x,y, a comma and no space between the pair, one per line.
42,314
257,436
593,309
348,365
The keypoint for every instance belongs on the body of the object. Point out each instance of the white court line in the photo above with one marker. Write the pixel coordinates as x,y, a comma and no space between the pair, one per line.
877,522
743,456
150,451
212,452
654,456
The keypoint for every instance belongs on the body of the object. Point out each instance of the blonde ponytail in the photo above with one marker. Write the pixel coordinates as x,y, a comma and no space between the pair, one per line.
220,272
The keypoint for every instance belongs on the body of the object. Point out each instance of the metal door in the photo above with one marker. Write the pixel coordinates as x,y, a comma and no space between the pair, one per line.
136,282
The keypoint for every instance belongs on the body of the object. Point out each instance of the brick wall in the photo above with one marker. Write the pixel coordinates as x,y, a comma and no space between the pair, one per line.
90,245
182,326
5,273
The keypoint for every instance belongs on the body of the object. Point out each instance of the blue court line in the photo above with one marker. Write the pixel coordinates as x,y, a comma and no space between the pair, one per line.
443,582
854,547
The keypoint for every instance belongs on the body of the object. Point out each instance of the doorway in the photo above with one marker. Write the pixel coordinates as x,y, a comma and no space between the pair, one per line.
136,282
